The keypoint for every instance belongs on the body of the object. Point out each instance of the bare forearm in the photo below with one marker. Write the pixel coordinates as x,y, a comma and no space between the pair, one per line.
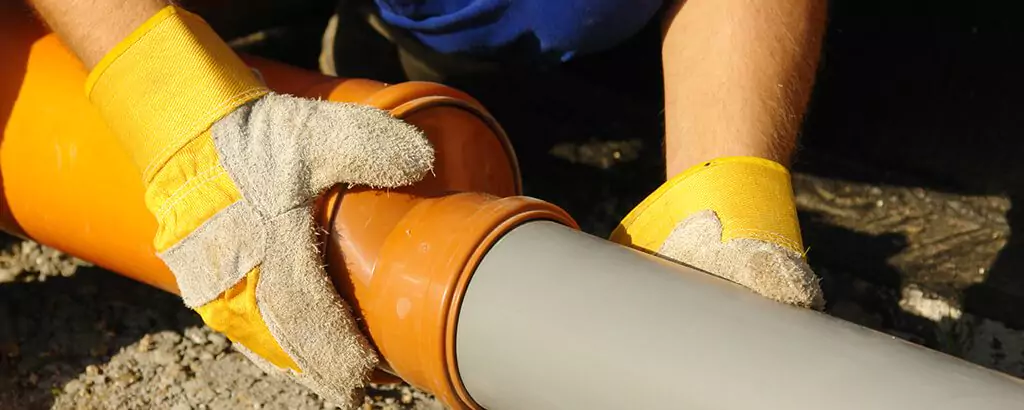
90,28
738,74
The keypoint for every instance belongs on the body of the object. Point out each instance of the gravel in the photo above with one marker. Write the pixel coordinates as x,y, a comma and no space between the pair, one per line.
94,340
27,261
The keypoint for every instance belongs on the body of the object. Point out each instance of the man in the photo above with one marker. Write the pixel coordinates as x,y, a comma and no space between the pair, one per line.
230,168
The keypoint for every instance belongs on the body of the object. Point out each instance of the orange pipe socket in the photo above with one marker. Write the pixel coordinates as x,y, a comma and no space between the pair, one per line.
402,258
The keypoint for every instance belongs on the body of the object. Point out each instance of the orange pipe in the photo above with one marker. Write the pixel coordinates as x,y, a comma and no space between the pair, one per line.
402,258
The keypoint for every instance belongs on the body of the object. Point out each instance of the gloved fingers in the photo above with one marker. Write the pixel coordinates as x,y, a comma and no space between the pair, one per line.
763,267
262,283
309,320
283,150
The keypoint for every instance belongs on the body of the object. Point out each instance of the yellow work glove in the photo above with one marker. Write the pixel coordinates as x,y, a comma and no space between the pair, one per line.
231,171
734,218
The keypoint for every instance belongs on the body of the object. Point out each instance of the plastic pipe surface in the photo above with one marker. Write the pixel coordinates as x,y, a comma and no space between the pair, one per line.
554,318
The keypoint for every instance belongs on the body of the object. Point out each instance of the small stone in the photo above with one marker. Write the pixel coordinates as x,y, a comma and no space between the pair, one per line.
164,357
96,379
218,339
181,406
195,335
33,379
170,336
215,348
146,343
92,370
205,356
175,372
192,387
125,379
73,386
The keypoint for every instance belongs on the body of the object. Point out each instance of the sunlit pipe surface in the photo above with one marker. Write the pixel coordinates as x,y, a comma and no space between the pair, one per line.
557,319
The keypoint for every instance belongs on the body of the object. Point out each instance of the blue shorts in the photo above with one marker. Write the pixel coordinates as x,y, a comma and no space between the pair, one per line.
537,31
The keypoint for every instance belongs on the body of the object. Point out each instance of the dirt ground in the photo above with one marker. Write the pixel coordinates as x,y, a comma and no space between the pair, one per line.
906,185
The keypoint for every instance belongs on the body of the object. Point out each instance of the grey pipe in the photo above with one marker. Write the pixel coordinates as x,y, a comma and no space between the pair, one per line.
557,319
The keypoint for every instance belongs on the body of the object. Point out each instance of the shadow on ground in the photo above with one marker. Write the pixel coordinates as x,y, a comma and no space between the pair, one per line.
52,331
925,95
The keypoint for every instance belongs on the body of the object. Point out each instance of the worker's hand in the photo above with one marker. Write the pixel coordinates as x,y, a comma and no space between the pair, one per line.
734,218
231,173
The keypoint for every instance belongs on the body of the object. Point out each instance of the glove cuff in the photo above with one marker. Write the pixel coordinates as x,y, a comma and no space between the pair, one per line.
167,82
753,198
